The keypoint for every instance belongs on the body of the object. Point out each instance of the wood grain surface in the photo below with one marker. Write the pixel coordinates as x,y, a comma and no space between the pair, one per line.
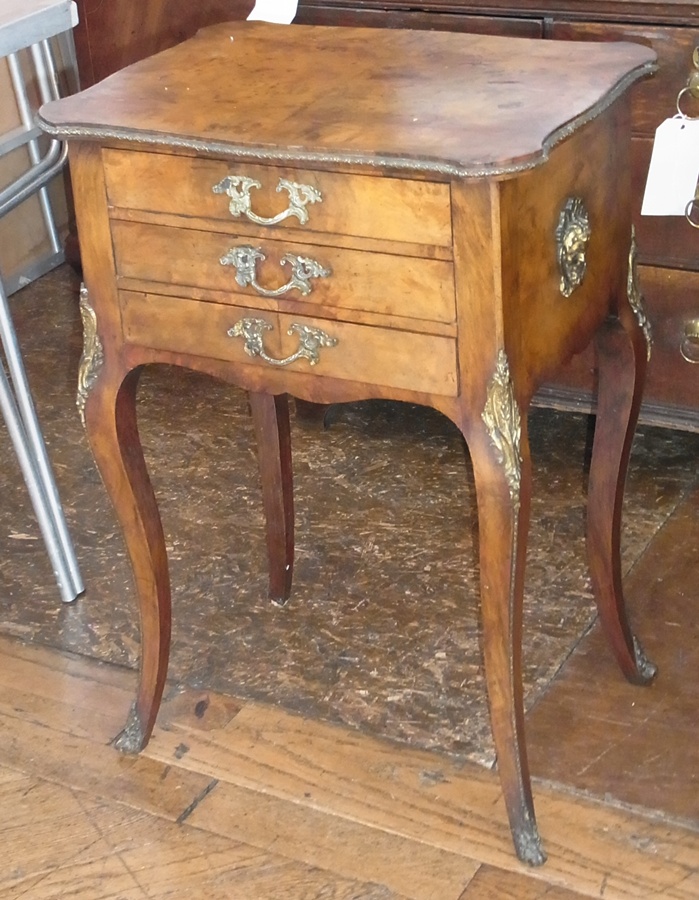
242,801
414,117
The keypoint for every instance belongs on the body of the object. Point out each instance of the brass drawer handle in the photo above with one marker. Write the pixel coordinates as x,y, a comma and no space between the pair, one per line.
690,211
237,188
689,348
692,86
244,260
310,341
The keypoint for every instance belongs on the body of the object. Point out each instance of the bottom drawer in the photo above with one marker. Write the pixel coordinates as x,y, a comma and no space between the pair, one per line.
672,298
397,359
671,395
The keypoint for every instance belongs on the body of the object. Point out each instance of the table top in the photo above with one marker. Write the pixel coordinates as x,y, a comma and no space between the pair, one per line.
458,104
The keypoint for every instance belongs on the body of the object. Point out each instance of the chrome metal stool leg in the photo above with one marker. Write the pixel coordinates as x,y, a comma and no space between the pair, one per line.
25,433
25,28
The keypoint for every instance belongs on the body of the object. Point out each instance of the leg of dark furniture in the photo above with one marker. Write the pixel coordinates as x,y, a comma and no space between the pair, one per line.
270,415
503,486
312,414
110,418
621,350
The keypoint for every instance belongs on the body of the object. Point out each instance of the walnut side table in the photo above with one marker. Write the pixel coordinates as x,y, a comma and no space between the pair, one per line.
339,214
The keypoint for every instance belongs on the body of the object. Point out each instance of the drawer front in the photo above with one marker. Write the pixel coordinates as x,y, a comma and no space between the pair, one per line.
654,99
673,374
662,240
312,14
373,282
381,208
672,302
360,353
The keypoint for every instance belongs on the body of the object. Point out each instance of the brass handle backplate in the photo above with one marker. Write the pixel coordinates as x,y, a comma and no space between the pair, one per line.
310,341
237,188
689,347
244,260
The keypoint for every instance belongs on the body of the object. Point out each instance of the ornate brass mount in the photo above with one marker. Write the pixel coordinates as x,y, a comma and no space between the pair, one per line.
244,260
93,355
572,237
633,292
504,423
310,341
238,187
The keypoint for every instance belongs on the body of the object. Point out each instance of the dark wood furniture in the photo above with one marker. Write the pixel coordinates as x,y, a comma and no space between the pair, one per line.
668,247
114,34
327,213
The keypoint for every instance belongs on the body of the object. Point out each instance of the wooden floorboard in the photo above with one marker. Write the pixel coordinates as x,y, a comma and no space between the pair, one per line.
244,801
84,847
594,849
600,734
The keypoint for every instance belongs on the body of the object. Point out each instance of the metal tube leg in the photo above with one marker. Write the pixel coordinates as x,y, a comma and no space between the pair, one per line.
28,441
18,437
27,117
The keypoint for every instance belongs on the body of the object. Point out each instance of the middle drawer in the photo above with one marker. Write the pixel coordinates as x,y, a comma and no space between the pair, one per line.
390,285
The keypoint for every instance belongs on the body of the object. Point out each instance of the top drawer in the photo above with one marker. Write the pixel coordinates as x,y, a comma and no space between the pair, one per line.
365,206
655,98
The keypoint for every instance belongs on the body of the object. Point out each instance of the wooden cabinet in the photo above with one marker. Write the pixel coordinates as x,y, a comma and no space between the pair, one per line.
668,246
114,34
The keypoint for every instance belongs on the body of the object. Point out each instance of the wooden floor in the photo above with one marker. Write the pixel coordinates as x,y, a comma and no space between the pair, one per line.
240,800
248,802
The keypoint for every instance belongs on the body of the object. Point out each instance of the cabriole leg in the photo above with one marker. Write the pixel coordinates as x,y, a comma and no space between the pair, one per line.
622,353
110,419
500,455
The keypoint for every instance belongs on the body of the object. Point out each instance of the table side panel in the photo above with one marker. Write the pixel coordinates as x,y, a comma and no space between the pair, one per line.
544,327
97,255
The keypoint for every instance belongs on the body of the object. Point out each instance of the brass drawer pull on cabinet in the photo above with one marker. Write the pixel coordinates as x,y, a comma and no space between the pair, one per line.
689,348
310,341
237,188
244,261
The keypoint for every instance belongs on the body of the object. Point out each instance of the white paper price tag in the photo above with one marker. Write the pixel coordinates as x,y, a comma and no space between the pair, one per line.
280,11
674,168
